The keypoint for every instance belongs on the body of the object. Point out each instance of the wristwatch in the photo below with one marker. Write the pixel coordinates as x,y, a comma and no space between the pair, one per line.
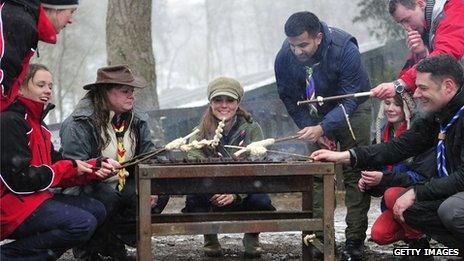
399,88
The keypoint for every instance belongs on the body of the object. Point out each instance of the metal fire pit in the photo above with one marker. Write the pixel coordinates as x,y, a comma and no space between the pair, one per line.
181,178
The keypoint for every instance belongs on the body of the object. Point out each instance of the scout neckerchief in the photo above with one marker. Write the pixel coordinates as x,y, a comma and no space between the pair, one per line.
441,161
119,127
311,89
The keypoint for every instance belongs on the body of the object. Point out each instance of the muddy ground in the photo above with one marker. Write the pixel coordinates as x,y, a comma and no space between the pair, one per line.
278,246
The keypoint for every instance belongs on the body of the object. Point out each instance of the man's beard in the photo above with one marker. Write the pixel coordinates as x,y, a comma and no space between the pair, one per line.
303,58
419,110
306,60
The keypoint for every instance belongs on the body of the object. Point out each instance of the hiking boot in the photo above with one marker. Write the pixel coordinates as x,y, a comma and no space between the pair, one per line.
251,244
420,243
116,250
212,248
354,250
318,255
82,254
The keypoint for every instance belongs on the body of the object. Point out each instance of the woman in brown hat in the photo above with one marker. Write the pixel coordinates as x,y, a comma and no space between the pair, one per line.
224,95
106,123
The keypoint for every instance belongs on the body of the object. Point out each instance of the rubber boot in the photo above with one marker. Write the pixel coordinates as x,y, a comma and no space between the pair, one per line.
116,249
354,250
85,254
251,244
212,248
420,243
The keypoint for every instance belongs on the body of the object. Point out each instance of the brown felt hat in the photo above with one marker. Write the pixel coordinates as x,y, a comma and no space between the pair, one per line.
117,74
225,86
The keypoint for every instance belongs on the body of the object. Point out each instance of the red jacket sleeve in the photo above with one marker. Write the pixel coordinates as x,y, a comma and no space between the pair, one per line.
68,174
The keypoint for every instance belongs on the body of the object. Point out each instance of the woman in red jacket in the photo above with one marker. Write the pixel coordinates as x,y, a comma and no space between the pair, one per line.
43,225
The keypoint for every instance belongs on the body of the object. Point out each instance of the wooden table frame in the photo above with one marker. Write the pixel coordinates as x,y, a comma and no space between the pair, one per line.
235,178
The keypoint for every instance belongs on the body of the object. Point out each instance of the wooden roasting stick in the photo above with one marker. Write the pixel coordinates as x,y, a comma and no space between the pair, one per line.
321,100
170,146
260,146
274,151
287,138
141,158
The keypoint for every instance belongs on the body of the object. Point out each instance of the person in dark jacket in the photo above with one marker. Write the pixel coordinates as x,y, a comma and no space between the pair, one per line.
390,181
43,225
106,123
24,23
225,95
436,207
432,27
389,184
317,60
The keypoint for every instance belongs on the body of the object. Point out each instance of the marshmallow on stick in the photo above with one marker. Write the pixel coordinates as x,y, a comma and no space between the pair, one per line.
177,143
256,148
200,144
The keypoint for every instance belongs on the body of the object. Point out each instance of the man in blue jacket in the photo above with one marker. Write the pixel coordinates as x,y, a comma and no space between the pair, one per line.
317,60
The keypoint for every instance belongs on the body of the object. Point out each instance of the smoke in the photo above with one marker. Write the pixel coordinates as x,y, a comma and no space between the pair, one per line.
419,111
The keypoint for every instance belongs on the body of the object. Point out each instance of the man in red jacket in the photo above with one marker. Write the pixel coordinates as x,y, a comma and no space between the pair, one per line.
432,28
22,24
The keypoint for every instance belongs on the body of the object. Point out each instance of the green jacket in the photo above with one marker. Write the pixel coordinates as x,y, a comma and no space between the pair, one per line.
241,134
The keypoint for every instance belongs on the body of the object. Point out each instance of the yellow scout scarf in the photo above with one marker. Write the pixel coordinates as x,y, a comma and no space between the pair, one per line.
119,130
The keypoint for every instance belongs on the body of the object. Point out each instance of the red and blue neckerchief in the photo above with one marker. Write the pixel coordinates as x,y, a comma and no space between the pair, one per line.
242,138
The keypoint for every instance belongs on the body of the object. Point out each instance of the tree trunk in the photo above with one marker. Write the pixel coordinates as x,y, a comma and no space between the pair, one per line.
129,41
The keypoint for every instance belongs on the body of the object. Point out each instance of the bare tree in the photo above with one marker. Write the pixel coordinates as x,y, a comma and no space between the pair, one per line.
129,41
209,37
377,12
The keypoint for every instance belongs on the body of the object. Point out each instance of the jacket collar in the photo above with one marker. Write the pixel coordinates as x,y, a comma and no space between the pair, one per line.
46,31
445,114
389,129
34,109
324,45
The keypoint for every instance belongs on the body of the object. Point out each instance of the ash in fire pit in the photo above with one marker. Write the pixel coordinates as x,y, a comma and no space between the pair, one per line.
214,160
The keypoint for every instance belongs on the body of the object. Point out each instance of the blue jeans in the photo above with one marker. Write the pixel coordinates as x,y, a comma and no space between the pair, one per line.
57,225
120,223
252,202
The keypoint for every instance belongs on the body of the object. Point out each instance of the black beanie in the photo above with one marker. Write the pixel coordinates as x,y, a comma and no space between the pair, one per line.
60,4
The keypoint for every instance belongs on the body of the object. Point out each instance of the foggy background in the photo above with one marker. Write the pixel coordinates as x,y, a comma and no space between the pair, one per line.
194,41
